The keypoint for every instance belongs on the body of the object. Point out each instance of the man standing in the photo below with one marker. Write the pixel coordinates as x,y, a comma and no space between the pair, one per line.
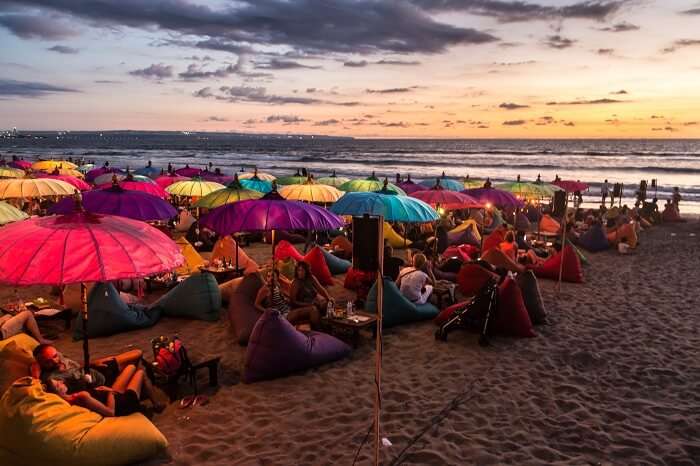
604,191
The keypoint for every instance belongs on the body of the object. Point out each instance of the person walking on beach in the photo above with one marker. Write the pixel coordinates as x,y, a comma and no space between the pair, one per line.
676,198
604,191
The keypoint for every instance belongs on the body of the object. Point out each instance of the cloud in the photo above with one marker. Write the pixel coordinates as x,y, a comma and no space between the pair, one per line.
692,11
512,106
41,26
620,92
253,95
63,49
513,122
330,122
589,102
681,43
155,71
606,52
217,119
398,62
199,58
286,119
392,90
107,81
514,63
558,42
623,26
690,123
356,64
276,64
570,123
12,88
657,117
361,26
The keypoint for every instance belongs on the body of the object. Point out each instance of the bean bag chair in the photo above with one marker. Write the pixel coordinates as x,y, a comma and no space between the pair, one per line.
225,249
498,259
463,237
522,223
15,358
496,221
285,250
395,240
549,225
37,427
276,349
447,276
193,261
281,235
242,313
511,318
469,224
476,216
336,265
227,288
493,240
625,232
530,289
198,297
342,243
472,277
594,239
397,309
318,266
465,252
108,314
572,271
185,221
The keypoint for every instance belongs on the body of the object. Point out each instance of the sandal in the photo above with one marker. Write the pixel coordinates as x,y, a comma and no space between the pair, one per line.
187,401
200,400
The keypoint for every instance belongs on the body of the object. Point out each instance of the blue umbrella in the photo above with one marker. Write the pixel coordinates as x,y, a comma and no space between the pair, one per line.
149,171
445,183
392,207
256,184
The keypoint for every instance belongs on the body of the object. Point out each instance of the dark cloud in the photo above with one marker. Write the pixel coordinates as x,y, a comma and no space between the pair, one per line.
361,26
311,90
330,122
107,81
690,123
252,94
569,123
692,11
588,102
512,106
514,63
196,72
356,64
276,64
559,42
620,27
513,122
620,92
12,88
63,49
398,62
657,117
286,119
347,104
217,119
392,90
605,51
199,58
155,71
507,45
681,43
392,124
39,26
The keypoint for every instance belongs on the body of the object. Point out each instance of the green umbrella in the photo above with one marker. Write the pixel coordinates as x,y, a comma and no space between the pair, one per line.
297,178
333,180
370,184
526,190
233,192
471,183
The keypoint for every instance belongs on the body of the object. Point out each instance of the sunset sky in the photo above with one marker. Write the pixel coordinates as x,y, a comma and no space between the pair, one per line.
413,68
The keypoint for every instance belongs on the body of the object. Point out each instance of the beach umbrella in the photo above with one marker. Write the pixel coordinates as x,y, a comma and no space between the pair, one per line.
233,192
86,167
9,214
216,177
49,165
470,183
195,187
21,164
446,183
95,172
256,184
496,197
409,186
118,201
333,180
370,184
297,178
310,191
9,172
28,188
148,188
571,186
261,175
188,171
166,180
82,247
108,178
447,199
65,172
149,170
392,207
71,180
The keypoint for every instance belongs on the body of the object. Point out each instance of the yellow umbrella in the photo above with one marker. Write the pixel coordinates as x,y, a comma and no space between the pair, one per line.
311,192
196,187
260,175
9,214
66,172
8,172
48,165
28,188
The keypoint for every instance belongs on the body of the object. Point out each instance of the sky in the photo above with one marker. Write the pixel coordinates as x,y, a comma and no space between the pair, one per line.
363,68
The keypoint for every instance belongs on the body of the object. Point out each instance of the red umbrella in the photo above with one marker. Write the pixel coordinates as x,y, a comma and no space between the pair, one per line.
447,199
166,180
571,186
150,188
83,247
77,182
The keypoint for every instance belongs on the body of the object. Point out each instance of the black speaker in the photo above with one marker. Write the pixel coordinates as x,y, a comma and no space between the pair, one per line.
367,235
559,207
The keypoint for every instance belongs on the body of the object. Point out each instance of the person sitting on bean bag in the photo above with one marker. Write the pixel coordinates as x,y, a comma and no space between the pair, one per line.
307,291
508,246
341,247
272,297
414,283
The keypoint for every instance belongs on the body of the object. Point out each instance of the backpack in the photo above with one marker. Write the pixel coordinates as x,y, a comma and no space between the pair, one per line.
170,356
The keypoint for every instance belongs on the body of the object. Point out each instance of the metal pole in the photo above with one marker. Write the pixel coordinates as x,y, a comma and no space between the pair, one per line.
563,243
86,349
378,349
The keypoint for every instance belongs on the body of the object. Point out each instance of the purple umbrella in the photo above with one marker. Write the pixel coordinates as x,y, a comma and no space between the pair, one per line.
216,177
188,171
409,186
497,197
117,201
94,173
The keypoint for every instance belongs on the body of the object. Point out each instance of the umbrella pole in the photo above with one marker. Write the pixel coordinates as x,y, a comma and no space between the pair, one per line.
378,349
563,243
86,349
236,241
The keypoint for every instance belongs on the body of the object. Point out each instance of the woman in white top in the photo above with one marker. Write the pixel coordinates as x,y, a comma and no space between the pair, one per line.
415,284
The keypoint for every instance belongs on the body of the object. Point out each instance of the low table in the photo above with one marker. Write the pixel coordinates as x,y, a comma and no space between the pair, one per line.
223,275
64,313
349,327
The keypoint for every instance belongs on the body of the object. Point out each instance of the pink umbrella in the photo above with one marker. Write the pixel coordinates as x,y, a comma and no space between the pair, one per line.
188,171
21,164
83,247
571,186
77,182
447,199
166,180
150,188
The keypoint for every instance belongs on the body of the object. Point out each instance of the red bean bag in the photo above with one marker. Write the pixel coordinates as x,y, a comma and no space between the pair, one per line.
318,266
359,281
512,318
549,225
285,250
493,240
498,259
572,271
471,278
446,313
465,252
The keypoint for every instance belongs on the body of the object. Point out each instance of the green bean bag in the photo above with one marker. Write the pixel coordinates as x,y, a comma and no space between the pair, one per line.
397,309
198,297
335,264
108,314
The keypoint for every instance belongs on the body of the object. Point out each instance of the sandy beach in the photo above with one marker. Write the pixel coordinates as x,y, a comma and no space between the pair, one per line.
612,380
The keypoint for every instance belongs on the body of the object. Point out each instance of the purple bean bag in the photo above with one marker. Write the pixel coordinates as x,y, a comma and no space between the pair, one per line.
276,349
241,307
595,239
462,237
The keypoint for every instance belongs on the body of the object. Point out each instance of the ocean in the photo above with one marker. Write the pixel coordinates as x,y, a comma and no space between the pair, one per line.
670,162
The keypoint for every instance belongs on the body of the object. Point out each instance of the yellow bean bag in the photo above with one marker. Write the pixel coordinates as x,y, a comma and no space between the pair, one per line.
466,224
225,248
394,239
15,358
626,232
193,261
41,428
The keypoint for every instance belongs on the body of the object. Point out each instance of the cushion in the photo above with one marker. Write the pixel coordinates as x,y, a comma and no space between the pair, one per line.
276,349
572,271
463,237
595,239
108,314
193,261
225,249
395,240
15,358
472,277
335,264
318,266
512,318
242,313
549,225
41,428
285,250
493,240
626,232
530,290
397,309
198,297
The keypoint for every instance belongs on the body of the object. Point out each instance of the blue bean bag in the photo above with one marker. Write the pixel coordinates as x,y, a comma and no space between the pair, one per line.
108,314
276,349
198,297
594,240
397,308
335,264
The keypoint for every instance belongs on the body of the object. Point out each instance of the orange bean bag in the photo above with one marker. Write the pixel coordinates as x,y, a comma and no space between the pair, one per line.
626,232
571,272
225,248
472,277
494,239
549,225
